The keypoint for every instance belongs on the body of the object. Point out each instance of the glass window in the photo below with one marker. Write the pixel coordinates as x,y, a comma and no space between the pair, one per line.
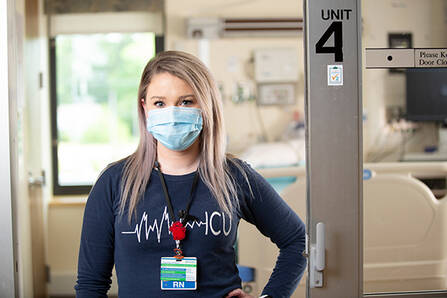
96,79
405,247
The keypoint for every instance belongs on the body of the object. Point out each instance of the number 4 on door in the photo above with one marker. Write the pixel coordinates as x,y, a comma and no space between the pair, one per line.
336,29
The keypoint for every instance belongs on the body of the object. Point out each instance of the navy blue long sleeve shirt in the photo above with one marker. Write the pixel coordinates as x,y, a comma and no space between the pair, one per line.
136,248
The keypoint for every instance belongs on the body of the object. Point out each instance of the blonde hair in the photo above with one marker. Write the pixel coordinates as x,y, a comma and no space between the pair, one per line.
214,163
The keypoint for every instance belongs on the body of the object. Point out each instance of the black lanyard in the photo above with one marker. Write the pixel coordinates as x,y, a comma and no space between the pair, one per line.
183,214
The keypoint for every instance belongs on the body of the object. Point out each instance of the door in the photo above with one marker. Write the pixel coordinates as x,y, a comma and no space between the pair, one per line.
377,231
19,208
33,131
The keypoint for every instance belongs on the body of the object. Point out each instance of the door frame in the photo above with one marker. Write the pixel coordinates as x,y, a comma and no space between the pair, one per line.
8,167
334,128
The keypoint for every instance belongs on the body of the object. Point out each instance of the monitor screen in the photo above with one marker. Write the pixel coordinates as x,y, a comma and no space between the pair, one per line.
427,94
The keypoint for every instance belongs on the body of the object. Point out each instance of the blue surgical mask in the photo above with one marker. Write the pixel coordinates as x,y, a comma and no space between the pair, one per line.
175,127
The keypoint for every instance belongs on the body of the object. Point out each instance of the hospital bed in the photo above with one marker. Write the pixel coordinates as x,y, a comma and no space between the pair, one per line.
277,155
405,228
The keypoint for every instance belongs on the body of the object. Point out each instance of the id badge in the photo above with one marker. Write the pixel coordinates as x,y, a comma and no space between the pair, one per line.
178,275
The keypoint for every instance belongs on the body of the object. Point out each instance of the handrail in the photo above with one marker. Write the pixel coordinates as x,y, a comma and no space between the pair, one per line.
417,169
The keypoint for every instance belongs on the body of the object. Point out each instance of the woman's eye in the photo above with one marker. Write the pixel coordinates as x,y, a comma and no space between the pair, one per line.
158,103
187,102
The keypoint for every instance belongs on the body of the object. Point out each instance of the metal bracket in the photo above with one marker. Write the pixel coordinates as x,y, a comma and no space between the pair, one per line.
317,260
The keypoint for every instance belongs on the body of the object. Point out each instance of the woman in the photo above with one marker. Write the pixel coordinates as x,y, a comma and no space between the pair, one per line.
167,215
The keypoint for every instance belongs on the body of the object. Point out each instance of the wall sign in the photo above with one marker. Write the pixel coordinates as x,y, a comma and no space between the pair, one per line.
430,58
406,58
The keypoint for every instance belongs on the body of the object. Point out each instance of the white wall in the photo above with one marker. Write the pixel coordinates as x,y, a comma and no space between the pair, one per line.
227,54
64,233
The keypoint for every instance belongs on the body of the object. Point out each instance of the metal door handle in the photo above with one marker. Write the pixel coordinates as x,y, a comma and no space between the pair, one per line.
317,261
320,245
36,181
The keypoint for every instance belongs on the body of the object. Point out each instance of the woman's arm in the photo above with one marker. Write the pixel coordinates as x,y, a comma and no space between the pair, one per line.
276,220
95,261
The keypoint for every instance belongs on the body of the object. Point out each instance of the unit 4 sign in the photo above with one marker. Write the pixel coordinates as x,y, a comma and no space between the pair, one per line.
335,29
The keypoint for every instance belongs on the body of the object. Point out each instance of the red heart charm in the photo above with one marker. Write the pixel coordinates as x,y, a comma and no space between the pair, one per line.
178,231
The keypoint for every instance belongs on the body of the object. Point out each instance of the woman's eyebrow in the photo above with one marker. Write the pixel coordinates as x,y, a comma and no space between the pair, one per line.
186,96
163,97
157,97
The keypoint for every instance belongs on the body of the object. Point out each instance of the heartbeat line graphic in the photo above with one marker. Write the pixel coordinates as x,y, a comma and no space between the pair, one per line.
151,228
165,221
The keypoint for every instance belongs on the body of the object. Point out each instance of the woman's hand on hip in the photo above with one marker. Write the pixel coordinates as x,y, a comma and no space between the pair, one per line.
239,294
